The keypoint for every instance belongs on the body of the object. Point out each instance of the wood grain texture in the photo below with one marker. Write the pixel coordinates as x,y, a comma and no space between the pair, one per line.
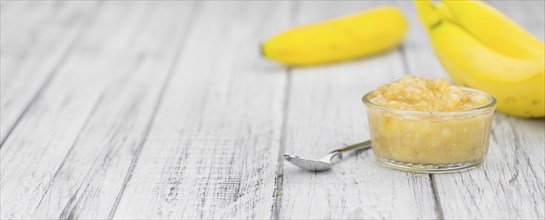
325,111
510,183
107,146
213,147
74,147
36,38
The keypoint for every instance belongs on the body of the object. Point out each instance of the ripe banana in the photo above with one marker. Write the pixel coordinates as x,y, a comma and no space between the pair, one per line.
495,30
345,38
506,62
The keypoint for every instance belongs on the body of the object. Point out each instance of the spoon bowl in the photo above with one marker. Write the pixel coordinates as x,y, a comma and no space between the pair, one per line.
326,162
322,164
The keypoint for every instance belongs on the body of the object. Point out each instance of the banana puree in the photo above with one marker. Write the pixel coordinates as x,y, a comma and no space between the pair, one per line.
420,94
429,122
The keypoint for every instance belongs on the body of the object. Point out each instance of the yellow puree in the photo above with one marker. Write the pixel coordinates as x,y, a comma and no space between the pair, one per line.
420,94
427,138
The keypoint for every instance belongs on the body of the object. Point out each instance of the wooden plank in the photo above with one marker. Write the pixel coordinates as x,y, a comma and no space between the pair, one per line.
213,148
325,112
83,131
92,175
510,182
36,38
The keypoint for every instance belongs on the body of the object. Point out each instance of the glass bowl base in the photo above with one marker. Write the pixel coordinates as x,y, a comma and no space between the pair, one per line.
428,168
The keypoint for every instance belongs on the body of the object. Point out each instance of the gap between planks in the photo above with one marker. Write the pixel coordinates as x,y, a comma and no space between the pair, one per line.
63,162
437,202
166,83
349,213
67,211
438,209
51,75
280,171
279,178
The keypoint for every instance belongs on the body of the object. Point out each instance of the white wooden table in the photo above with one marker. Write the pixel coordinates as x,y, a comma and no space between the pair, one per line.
141,109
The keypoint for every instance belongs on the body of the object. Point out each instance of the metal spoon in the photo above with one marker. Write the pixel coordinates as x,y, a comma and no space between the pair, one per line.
326,162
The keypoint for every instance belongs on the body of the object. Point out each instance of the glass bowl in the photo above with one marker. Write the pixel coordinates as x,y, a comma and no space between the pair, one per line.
430,142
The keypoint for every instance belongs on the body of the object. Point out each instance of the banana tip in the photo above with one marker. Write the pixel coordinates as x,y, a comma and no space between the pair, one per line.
262,50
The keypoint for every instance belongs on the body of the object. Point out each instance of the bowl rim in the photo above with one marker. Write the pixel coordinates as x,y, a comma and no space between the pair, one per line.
490,106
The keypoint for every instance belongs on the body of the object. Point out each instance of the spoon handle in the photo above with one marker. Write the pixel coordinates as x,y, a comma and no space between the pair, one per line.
337,155
358,146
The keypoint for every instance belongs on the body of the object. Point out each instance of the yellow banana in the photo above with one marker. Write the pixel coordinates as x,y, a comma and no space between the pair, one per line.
495,30
444,11
518,84
345,38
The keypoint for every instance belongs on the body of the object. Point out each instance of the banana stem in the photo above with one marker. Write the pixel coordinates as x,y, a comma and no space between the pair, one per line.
427,13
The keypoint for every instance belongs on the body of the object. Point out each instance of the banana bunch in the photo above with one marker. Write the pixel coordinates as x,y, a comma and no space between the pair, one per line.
345,38
481,48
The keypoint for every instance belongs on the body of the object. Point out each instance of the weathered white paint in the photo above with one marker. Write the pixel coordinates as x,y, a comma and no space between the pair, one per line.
51,129
92,174
148,109
213,147
37,38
